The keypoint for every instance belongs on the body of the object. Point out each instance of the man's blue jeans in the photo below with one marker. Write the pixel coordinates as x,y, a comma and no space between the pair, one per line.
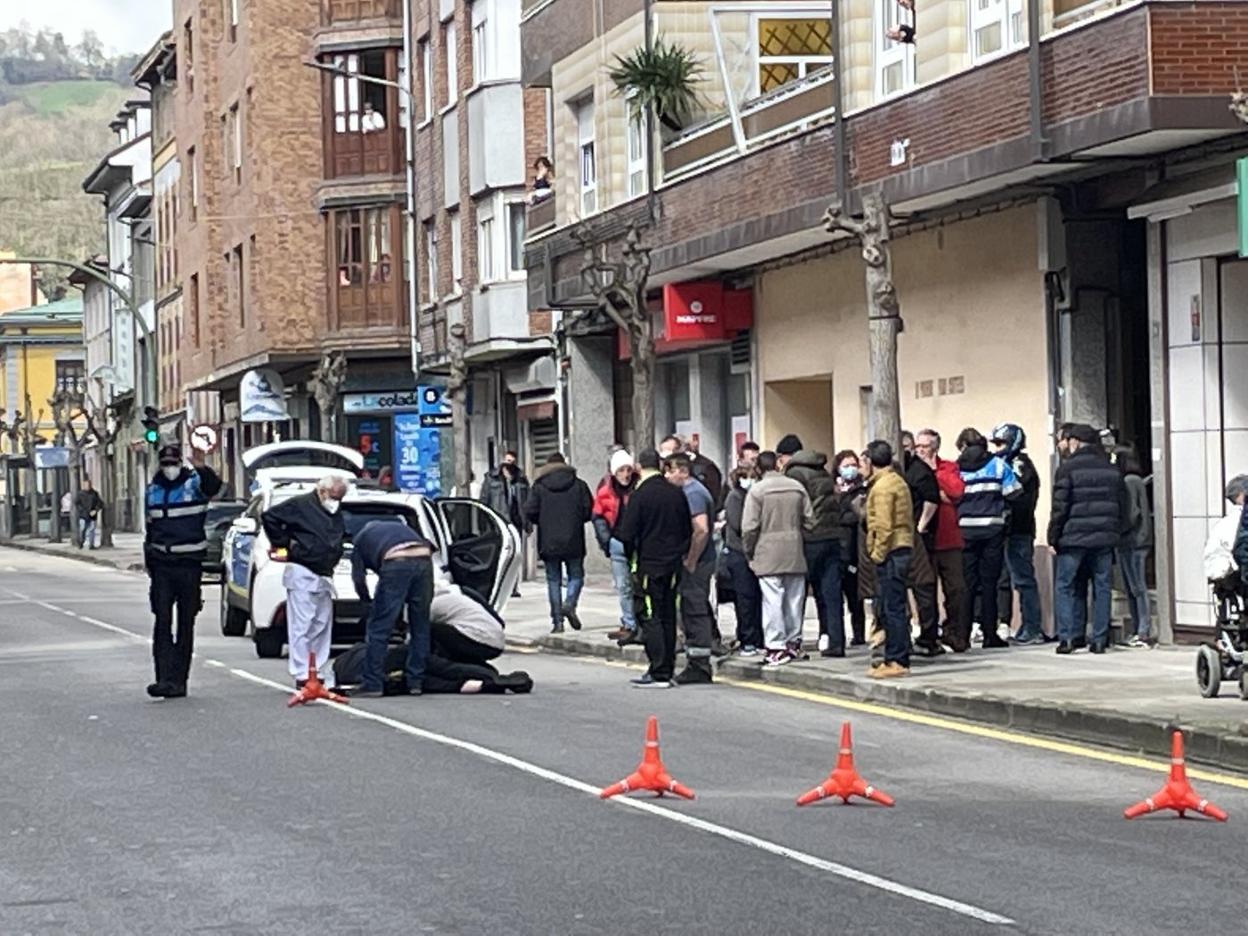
622,575
86,527
554,586
1020,560
823,571
400,583
1096,565
891,577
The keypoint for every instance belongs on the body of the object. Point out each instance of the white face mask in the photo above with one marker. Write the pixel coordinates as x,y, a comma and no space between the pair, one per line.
171,471
747,483
331,506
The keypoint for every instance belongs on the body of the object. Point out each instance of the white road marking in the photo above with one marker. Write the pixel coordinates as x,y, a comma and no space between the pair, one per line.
580,786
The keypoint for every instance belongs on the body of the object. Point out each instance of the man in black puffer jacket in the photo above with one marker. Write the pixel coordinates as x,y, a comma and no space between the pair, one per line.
560,505
822,546
1087,522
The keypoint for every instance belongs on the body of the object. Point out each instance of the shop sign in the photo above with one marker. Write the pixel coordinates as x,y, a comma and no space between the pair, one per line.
418,444
262,397
1241,204
387,401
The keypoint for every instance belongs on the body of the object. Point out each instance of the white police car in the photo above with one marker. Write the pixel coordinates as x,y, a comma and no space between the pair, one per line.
474,547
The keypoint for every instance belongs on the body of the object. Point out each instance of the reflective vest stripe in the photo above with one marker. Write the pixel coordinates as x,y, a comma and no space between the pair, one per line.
181,548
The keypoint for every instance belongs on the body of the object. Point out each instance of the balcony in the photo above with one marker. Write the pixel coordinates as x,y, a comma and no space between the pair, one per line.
495,137
541,216
793,107
349,12
362,135
366,285
500,319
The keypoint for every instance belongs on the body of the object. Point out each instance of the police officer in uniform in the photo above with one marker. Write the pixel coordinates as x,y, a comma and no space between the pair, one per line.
174,549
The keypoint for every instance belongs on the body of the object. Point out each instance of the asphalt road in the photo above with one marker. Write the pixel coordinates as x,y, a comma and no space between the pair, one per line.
226,812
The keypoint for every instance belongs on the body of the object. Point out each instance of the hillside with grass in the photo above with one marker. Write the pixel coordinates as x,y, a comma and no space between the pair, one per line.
55,105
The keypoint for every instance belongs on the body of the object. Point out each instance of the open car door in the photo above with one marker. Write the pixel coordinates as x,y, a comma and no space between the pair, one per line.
484,549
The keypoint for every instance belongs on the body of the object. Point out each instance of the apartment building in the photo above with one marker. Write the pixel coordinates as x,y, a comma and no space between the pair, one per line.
478,133
1011,141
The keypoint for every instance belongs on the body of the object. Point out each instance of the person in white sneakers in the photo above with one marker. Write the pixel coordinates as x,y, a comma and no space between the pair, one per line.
777,513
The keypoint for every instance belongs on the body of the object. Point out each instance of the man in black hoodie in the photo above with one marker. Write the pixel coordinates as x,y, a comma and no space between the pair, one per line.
560,505
822,546
1010,443
310,530
656,529
1088,520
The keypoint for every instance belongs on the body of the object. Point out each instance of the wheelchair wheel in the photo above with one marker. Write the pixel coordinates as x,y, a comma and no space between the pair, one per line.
1209,672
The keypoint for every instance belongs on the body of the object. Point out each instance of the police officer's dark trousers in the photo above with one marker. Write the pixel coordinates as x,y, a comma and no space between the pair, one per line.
174,586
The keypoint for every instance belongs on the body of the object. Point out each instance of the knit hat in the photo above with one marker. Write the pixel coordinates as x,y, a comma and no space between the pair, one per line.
789,445
621,459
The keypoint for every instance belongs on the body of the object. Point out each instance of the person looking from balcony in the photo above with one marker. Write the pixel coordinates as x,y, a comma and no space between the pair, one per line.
372,121
543,180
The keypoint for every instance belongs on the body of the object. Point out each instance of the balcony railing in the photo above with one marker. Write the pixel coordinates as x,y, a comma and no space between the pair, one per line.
354,11
541,215
798,105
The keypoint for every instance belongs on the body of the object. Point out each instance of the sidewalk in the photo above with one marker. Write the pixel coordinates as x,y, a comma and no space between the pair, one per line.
1130,699
126,553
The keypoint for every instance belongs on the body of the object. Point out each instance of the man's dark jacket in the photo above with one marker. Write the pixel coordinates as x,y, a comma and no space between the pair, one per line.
506,498
657,526
1089,502
709,474
89,503
370,546
1023,508
810,469
311,536
559,505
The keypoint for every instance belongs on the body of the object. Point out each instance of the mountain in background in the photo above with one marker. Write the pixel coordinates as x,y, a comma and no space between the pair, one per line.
56,101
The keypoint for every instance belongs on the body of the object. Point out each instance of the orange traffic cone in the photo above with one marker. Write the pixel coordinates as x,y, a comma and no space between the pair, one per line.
651,774
1177,794
844,780
313,688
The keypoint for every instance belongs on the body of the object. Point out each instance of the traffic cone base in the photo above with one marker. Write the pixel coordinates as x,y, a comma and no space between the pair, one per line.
651,775
313,689
1177,794
844,781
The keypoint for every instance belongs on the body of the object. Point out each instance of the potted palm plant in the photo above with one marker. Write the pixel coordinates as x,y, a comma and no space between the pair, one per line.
662,77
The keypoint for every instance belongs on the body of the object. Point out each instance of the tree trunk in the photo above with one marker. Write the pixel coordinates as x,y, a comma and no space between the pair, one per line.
641,340
107,494
54,517
75,484
457,389
884,316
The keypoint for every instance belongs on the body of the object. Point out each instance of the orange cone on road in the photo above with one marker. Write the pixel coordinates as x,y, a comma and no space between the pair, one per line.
1177,794
651,774
844,781
313,688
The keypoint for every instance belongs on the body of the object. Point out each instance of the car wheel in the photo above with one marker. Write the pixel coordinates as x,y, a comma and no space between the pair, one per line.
233,621
269,643
1208,671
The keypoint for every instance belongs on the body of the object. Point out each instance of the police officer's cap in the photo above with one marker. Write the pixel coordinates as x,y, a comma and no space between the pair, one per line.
171,455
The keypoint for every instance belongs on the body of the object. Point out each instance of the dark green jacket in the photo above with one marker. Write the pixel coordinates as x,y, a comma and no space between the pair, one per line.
810,469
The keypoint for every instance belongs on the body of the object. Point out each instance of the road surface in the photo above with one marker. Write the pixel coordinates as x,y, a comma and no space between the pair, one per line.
227,813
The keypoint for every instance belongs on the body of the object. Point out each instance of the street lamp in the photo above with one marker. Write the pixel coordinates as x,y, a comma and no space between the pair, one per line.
410,160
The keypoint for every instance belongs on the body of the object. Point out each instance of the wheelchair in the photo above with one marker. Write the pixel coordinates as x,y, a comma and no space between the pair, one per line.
1223,658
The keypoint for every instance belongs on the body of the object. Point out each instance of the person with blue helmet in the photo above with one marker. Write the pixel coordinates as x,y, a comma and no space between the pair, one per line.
1010,443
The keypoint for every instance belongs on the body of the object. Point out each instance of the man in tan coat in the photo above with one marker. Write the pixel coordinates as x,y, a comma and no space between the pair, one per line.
890,542
777,511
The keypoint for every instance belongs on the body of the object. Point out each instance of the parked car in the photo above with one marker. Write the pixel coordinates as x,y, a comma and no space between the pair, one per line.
221,514
474,548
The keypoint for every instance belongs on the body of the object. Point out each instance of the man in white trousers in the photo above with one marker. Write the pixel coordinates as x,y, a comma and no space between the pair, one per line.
777,511
310,530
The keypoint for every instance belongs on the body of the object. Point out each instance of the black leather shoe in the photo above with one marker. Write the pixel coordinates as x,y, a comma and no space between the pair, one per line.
1097,646
159,690
694,676
572,618
176,692
1064,648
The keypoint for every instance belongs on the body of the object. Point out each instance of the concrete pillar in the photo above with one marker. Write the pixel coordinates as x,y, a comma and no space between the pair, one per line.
1158,376
590,403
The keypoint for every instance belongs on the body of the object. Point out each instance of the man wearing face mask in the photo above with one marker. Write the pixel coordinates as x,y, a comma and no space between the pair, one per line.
174,549
310,529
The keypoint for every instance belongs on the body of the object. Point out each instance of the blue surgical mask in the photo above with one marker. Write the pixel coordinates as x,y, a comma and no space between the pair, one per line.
849,472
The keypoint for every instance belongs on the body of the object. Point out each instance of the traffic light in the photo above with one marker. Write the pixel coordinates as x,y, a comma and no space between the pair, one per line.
151,426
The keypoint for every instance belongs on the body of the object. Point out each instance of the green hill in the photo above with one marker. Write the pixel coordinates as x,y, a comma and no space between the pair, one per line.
52,134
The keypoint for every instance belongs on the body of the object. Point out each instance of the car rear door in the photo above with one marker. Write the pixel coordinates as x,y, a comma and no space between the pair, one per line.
483,550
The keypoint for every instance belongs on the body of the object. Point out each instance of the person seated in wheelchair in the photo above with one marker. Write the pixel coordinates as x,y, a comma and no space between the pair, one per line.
1226,550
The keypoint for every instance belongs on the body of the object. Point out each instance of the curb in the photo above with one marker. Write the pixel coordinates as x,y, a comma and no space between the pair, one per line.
1059,720
77,556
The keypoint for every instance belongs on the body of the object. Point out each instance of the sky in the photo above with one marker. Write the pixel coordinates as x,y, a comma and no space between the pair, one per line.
122,25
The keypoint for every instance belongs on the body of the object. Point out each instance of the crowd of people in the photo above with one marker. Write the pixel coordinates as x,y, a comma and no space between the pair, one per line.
943,543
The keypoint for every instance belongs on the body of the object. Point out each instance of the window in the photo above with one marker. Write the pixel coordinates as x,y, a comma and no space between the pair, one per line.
234,141
431,260
364,250
188,54
346,95
636,151
587,166
426,79
481,70
71,377
253,264
231,20
193,289
485,241
191,158
790,48
457,253
452,68
405,83
515,235
239,287
894,61
996,27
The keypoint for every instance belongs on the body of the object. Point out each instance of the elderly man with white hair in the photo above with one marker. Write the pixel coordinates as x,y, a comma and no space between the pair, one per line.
310,530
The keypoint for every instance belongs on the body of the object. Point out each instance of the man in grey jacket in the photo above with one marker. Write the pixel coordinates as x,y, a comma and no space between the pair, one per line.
777,513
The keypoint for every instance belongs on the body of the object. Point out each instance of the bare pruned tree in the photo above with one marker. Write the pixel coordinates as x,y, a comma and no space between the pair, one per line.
457,390
105,423
68,411
327,381
619,288
883,308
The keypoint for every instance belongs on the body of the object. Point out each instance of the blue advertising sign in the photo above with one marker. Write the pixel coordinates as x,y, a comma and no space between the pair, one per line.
418,444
